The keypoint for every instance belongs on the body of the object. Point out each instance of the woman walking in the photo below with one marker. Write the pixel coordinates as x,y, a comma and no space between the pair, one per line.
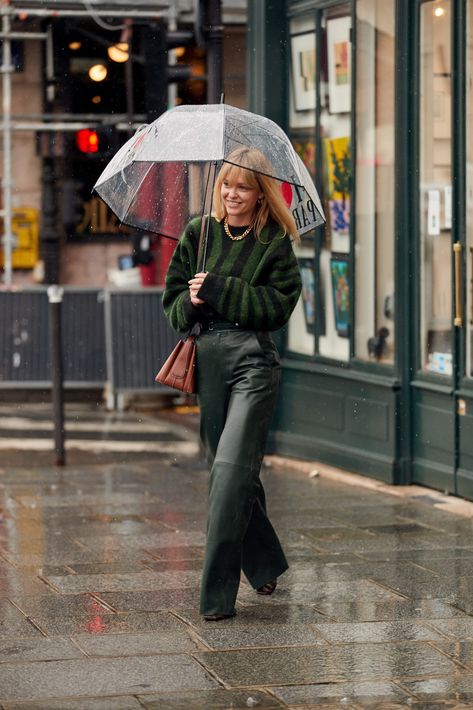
250,287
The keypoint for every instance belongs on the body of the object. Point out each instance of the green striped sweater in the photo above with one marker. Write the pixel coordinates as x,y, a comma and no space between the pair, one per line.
249,283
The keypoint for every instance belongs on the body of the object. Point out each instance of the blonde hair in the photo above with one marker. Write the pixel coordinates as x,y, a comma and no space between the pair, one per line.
256,170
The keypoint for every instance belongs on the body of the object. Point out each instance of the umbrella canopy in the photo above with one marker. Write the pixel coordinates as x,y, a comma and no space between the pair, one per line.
159,178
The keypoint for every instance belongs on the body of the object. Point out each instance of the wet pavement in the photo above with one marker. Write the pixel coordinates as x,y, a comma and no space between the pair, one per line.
99,584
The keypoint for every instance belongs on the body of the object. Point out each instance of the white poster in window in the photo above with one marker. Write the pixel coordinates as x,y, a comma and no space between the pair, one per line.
447,193
433,212
303,70
339,64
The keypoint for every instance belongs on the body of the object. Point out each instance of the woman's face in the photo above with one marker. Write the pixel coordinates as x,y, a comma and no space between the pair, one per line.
239,198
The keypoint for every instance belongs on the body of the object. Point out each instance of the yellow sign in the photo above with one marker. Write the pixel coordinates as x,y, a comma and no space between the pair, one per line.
25,229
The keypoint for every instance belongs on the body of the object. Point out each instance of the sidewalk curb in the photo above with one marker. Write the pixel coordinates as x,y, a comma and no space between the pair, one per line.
419,494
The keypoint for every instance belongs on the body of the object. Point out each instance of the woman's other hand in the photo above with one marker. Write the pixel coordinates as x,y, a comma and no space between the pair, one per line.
195,285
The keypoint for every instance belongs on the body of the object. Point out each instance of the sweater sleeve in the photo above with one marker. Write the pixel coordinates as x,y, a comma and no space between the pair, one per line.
179,311
260,307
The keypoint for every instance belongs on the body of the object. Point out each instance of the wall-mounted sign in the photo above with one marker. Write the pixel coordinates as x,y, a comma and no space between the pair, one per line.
25,229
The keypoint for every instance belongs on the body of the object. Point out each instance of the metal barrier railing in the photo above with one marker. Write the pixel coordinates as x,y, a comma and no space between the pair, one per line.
110,337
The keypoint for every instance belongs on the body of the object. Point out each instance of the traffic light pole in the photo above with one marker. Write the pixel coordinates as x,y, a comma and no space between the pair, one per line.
214,42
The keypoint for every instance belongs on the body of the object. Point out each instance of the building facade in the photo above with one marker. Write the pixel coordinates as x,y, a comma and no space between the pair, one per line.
84,74
377,97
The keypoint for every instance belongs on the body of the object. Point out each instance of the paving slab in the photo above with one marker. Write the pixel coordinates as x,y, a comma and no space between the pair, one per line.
177,553
460,651
326,664
461,629
380,631
343,693
38,649
129,566
159,600
399,609
17,583
384,572
210,700
308,593
263,636
177,565
13,624
137,581
98,676
111,703
261,614
57,605
141,644
442,689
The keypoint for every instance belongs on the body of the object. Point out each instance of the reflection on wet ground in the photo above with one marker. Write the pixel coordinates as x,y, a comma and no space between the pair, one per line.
99,587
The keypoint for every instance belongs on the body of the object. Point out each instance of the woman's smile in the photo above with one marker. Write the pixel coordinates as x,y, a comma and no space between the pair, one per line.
240,200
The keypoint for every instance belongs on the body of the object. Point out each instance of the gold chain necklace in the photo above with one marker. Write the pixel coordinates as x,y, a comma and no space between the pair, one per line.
240,236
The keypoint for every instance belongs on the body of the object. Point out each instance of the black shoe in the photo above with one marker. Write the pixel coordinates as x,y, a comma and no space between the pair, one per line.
219,617
267,588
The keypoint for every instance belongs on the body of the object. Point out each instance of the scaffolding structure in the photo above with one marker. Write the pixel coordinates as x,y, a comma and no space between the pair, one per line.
171,11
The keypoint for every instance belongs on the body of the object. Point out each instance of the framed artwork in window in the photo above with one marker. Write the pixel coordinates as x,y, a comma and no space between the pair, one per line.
339,64
339,271
303,71
311,297
306,266
338,183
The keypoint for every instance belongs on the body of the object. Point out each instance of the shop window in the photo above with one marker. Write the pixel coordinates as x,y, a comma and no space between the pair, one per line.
469,193
374,208
319,123
335,143
435,188
302,121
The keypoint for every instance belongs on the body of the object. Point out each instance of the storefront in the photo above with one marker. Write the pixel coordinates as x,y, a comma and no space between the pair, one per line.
377,96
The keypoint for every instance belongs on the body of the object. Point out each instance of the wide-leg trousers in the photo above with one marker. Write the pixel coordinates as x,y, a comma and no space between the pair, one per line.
238,377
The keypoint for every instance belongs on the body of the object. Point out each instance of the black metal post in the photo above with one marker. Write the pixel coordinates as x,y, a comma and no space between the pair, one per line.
55,294
214,42
49,236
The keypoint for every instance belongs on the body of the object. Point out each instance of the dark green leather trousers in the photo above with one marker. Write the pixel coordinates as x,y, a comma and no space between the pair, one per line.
238,377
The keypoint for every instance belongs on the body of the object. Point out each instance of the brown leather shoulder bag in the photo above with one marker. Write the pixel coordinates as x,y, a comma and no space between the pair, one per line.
179,370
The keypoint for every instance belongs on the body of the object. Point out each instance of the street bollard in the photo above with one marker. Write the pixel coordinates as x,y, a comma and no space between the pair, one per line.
55,294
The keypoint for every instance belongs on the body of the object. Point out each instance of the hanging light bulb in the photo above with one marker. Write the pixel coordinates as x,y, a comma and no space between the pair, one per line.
119,52
439,11
98,72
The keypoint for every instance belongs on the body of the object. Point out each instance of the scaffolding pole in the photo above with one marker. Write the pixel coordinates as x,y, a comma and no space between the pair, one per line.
6,70
7,126
9,123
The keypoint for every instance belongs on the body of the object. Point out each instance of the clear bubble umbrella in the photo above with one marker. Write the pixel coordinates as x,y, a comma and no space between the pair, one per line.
164,174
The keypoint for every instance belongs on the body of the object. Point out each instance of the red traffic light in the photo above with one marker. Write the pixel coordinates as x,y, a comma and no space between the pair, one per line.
87,140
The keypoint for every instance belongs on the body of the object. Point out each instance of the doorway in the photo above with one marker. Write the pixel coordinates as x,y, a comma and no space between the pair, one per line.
442,353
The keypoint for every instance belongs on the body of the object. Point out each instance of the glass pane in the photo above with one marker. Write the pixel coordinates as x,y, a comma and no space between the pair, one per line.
374,253
335,117
302,105
469,194
435,189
